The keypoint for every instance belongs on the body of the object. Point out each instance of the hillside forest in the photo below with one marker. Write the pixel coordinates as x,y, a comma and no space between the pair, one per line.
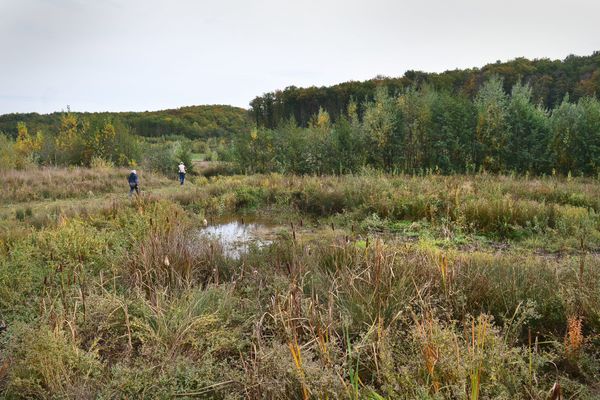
530,117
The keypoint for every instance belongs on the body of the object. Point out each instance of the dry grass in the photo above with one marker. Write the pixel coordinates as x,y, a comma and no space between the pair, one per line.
66,183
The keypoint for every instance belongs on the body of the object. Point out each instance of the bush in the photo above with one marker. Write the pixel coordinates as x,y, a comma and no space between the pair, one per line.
101,164
165,158
183,154
160,158
48,361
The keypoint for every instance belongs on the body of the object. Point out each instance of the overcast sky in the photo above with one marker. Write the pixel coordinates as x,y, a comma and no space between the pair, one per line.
119,55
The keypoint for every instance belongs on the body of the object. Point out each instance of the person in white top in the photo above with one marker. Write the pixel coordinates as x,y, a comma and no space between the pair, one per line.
181,173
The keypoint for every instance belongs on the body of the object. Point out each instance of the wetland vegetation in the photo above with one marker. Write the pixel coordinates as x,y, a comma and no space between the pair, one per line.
370,286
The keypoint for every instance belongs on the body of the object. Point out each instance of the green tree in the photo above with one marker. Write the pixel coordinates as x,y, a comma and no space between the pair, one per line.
255,150
183,154
566,141
415,108
319,149
383,126
291,152
492,130
576,136
590,128
104,141
452,140
529,132
349,143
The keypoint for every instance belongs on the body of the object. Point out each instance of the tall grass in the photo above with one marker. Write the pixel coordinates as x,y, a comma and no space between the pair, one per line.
128,301
65,183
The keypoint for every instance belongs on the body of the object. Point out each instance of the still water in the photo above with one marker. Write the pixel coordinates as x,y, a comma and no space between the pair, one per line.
237,237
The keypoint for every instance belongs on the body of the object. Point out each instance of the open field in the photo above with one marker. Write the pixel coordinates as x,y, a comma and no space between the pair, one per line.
374,286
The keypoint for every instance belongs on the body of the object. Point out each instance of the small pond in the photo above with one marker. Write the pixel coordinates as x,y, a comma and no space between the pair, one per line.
237,236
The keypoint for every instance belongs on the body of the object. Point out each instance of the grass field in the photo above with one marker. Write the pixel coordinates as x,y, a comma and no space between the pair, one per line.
376,287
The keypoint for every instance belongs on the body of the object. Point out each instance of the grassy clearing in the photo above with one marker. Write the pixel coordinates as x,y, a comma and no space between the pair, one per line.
376,287
25,186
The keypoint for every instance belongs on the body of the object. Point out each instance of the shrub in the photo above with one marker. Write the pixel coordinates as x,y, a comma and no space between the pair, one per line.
101,164
47,361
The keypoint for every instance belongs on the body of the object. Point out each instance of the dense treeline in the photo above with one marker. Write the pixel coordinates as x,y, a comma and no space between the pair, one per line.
98,142
75,141
428,129
158,140
549,80
193,122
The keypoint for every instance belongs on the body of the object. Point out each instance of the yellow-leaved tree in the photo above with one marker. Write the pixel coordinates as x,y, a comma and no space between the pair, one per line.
26,146
68,139
102,142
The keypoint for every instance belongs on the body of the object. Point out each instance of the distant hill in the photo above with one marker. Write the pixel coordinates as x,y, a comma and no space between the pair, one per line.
550,80
192,122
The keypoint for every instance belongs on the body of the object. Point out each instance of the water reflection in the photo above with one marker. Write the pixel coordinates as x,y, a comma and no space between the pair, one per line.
237,238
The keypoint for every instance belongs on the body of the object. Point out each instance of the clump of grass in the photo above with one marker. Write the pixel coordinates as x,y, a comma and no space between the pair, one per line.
430,351
20,214
477,353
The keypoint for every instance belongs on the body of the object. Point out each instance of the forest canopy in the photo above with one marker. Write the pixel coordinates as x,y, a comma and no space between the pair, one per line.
193,122
421,128
550,81
70,138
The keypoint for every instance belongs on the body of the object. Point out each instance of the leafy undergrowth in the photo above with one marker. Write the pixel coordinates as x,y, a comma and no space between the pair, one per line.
376,287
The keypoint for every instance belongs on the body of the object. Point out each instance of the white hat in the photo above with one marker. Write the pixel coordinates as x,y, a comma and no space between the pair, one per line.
133,171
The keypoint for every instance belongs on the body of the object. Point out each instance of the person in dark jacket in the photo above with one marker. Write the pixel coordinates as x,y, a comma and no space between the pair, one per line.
133,182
